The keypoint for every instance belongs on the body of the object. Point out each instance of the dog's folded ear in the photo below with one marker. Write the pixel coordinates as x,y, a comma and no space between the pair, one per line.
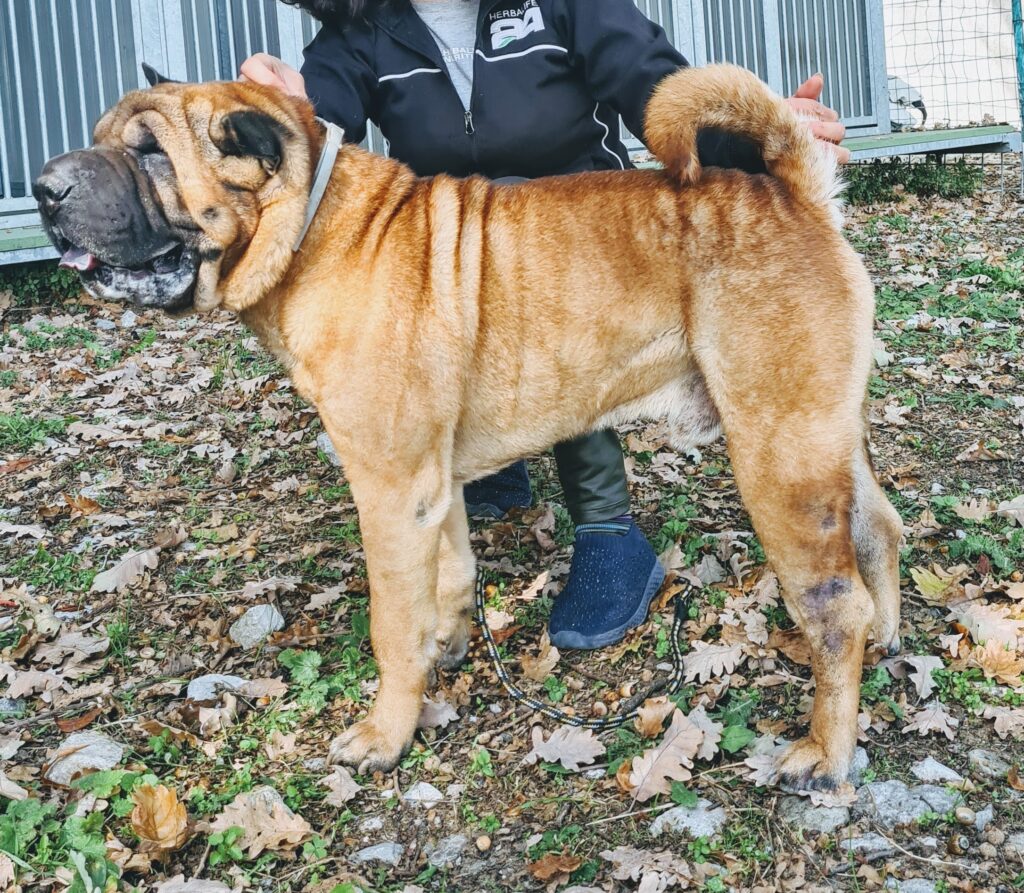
255,134
153,77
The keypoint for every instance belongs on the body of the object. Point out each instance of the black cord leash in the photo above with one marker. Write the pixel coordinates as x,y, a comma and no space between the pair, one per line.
630,709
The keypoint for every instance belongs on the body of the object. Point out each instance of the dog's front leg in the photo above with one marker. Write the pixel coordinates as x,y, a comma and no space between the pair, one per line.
402,561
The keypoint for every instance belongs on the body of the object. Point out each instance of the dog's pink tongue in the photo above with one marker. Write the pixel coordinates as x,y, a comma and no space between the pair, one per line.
78,259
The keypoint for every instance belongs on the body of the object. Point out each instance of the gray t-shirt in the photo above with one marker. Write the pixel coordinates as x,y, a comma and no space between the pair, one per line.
452,24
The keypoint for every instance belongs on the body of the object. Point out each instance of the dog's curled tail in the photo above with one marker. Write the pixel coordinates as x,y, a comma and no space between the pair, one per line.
729,98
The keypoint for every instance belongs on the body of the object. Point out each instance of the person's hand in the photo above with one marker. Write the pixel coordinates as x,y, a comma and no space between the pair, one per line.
823,121
262,68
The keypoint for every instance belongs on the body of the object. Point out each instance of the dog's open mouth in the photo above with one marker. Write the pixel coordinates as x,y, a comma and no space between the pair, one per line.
166,280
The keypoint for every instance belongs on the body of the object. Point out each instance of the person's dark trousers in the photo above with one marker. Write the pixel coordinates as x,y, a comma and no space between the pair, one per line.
593,476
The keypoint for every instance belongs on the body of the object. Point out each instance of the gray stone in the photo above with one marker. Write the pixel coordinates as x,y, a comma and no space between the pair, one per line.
931,770
891,803
373,823
869,846
255,625
987,764
423,794
1015,844
11,706
801,813
105,325
911,885
389,853
448,851
129,319
983,818
703,820
928,843
858,767
207,688
323,443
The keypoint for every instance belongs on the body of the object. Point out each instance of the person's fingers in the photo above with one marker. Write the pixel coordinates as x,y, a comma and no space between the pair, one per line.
829,131
811,88
260,69
811,108
842,153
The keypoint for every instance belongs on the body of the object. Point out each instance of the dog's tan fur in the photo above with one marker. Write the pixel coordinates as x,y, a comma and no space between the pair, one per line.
446,327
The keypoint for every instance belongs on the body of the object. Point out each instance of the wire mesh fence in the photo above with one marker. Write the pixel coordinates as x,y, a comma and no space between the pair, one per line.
952,63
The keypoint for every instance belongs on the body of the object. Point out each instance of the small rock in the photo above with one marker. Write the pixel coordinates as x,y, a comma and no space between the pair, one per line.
988,851
987,764
703,820
448,851
931,770
208,687
892,803
323,443
371,824
105,325
128,319
255,625
869,846
11,706
911,885
315,764
454,792
1015,845
423,794
928,843
984,818
80,753
483,843
995,836
858,767
389,853
965,815
801,813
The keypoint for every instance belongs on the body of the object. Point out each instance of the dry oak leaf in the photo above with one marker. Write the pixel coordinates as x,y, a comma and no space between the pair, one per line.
159,819
709,659
933,718
539,668
998,662
654,770
712,732
932,587
921,668
80,753
126,571
436,714
651,716
11,789
342,785
554,867
1008,721
978,452
985,622
792,643
655,871
178,884
1013,509
975,510
571,746
267,823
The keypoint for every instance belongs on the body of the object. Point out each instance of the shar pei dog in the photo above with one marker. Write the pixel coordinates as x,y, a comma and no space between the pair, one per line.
445,327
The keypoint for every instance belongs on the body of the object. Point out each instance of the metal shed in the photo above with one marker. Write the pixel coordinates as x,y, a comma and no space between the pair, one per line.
62,62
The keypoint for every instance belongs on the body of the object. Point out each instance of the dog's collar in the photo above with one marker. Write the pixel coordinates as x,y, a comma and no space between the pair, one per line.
324,168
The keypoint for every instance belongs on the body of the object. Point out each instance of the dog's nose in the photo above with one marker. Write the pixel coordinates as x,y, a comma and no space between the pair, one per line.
54,184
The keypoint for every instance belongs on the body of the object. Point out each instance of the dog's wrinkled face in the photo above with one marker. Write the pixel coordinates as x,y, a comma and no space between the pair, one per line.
182,183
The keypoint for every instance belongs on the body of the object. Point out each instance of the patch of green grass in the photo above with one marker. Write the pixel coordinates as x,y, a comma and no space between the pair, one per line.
883,181
46,571
7,378
39,283
19,431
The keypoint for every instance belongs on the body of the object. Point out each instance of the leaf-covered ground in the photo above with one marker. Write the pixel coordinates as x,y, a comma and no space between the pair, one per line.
160,478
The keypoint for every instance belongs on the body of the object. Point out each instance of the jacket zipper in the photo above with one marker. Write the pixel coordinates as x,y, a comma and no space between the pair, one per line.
470,129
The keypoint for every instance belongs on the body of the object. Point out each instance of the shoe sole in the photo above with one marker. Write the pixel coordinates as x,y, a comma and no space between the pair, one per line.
579,642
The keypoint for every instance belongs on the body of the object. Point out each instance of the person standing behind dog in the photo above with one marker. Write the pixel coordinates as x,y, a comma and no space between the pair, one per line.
516,89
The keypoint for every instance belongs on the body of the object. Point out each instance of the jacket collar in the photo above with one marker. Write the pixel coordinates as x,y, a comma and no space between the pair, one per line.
399,19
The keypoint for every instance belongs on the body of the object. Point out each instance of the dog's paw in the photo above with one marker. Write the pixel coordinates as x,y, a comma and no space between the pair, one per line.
453,645
368,748
807,766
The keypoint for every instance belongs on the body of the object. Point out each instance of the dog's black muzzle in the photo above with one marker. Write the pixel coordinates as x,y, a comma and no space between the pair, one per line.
100,210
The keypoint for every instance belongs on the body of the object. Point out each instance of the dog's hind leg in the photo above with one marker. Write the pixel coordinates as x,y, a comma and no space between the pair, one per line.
456,575
402,561
798,487
877,529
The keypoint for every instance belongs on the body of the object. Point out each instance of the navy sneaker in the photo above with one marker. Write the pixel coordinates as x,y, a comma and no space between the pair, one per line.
494,496
613,579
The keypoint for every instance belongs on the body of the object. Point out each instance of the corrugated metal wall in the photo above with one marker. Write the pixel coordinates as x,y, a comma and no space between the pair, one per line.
63,61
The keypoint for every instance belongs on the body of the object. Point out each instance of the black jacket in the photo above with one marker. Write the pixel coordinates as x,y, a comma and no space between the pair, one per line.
551,79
